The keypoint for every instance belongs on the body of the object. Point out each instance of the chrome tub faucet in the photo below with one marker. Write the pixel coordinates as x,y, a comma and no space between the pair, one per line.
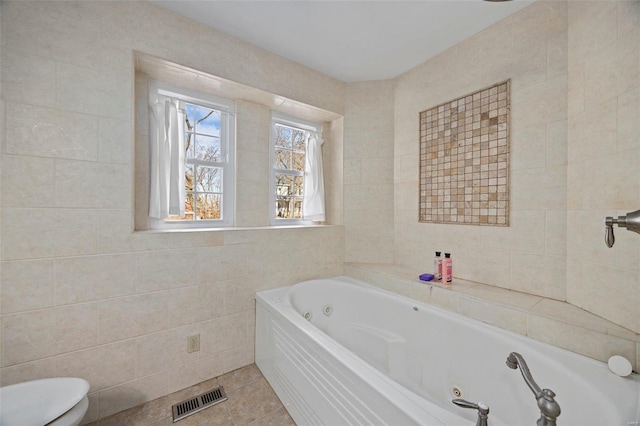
549,408
631,221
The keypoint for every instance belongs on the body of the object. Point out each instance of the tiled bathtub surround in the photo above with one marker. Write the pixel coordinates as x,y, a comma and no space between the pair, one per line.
464,159
557,323
603,149
368,171
528,48
575,148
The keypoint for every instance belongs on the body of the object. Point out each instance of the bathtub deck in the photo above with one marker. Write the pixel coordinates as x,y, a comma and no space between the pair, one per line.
551,321
251,402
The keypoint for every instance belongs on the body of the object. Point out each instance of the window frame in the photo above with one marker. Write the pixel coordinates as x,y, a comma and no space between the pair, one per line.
227,146
291,121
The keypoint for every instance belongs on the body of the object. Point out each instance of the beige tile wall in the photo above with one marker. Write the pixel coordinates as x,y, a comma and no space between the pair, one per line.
368,172
575,72
80,291
252,172
333,160
529,48
604,154
81,294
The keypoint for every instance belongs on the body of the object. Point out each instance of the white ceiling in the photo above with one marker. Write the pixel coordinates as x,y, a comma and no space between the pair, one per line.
350,40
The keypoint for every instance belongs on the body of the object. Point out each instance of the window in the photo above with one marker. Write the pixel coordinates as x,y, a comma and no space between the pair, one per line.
204,170
289,152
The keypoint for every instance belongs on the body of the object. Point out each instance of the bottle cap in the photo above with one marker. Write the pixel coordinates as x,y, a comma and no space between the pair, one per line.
437,253
447,255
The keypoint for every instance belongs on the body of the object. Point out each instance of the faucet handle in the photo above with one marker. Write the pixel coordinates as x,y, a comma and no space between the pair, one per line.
609,238
631,221
483,409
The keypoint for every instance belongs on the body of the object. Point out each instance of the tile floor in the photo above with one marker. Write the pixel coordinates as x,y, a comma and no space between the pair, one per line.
251,402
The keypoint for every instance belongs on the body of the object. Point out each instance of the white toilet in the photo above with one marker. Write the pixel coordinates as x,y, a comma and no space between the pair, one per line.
60,401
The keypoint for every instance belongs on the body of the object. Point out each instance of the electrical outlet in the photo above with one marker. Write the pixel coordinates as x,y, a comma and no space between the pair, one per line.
193,343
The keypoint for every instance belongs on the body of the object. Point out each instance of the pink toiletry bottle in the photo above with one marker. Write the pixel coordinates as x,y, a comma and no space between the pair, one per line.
447,269
437,267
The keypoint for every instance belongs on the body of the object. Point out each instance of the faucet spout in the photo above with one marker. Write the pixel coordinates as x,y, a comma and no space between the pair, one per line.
515,360
549,408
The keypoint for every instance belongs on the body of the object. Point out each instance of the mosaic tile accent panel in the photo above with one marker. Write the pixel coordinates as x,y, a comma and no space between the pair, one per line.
464,159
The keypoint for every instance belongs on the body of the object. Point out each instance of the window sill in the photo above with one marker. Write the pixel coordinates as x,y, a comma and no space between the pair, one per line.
231,229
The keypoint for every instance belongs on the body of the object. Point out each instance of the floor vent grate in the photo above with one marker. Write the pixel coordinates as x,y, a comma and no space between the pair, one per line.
198,403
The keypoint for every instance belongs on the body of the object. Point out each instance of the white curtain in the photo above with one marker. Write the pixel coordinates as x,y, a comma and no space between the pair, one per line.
313,200
167,192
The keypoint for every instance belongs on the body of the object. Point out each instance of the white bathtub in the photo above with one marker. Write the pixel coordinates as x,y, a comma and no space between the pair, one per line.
380,358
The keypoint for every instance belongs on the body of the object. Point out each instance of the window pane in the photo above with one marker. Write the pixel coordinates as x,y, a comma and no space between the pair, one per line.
208,206
189,207
299,137
283,185
208,148
283,208
188,210
282,160
188,177
208,121
298,161
190,117
297,208
283,136
208,179
298,186
189,144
